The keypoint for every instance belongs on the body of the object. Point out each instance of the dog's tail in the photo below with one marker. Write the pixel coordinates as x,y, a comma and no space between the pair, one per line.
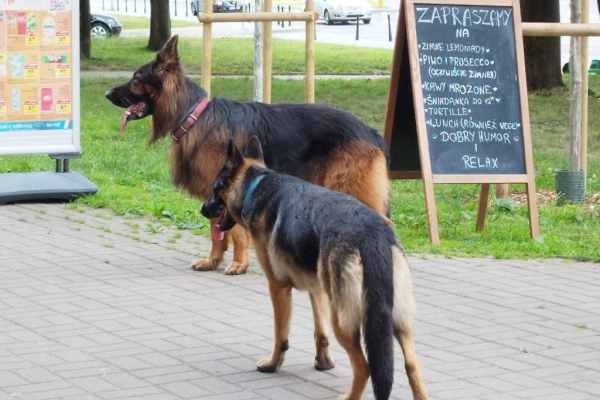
378,317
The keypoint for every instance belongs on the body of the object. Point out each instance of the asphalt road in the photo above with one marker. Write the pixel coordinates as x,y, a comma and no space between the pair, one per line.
375,34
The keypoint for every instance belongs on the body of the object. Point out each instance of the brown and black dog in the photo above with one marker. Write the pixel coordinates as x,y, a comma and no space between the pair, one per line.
338,250
314,142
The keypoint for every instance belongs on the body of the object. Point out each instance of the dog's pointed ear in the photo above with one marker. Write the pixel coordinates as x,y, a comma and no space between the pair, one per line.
254,150
168,54
234,157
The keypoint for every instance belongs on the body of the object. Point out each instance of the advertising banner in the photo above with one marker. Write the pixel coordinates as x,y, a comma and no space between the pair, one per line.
39,76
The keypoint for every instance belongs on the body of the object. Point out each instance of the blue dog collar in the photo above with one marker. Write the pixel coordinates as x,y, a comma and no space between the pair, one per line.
250,188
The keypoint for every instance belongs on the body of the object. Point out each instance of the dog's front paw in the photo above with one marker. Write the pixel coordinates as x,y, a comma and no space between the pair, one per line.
269,364
236,268
347,397
205,264
323,364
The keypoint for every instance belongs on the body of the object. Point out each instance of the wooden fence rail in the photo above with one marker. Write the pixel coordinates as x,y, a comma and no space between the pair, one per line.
208,17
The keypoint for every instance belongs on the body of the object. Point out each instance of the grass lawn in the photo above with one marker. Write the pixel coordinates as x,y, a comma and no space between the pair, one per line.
130,22
133,177
234,56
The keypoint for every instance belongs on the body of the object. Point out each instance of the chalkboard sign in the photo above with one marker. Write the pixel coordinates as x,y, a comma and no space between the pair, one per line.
457,108
470,90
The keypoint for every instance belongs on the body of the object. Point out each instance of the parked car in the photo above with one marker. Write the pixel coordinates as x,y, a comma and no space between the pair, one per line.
219,6
343,10
594,67
104,25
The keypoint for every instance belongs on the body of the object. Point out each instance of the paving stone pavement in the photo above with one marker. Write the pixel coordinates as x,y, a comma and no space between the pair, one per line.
93,306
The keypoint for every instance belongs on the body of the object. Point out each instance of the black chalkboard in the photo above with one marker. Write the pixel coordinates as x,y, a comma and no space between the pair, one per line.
470,90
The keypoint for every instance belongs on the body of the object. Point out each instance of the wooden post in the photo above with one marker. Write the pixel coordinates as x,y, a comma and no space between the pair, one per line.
258,56
206,50
309,90
267,33
575,91
585,18
484,194
501,190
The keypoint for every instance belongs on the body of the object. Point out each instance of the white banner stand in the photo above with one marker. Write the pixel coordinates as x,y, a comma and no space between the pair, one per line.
39,97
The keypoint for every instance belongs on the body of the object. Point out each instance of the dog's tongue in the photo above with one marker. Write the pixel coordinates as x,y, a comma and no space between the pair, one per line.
130,113
123,120
215,232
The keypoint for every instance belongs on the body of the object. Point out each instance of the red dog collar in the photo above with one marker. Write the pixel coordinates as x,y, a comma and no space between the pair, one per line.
187,123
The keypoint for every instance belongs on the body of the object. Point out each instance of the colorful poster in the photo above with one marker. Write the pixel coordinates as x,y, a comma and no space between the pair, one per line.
36,66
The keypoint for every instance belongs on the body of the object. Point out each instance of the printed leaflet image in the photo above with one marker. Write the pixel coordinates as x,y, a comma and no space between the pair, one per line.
15,99
46,95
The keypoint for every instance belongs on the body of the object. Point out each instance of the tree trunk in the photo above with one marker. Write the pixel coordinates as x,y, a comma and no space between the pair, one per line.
258,55
85,28
542,54
160,24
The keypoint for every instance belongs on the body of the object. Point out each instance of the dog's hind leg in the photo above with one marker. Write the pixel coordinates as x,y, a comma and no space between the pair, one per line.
411,365
281,298
350,341
215,255
403,310
240,238
319,303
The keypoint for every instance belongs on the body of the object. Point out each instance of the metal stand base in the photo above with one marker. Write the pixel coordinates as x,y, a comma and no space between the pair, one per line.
60,185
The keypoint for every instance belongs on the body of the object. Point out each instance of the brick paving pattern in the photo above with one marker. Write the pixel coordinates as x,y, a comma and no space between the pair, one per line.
93,307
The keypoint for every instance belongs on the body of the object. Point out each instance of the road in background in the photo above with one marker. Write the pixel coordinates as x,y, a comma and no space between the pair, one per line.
373,35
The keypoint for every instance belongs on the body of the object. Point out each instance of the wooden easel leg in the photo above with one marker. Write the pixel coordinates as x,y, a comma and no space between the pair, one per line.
434,236
534,229
484,194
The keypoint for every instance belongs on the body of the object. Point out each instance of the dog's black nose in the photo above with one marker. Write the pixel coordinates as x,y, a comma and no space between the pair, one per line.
108,94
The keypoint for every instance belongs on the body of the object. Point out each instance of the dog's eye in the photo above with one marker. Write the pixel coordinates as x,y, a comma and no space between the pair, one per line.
218,186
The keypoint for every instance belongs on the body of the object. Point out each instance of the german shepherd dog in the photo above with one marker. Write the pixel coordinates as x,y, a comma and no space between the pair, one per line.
317,143
333,246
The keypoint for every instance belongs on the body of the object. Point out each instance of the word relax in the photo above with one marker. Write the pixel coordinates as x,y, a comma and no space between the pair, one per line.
476,162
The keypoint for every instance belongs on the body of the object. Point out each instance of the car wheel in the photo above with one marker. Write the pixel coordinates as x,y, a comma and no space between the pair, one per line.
328,20
99,31
367,21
